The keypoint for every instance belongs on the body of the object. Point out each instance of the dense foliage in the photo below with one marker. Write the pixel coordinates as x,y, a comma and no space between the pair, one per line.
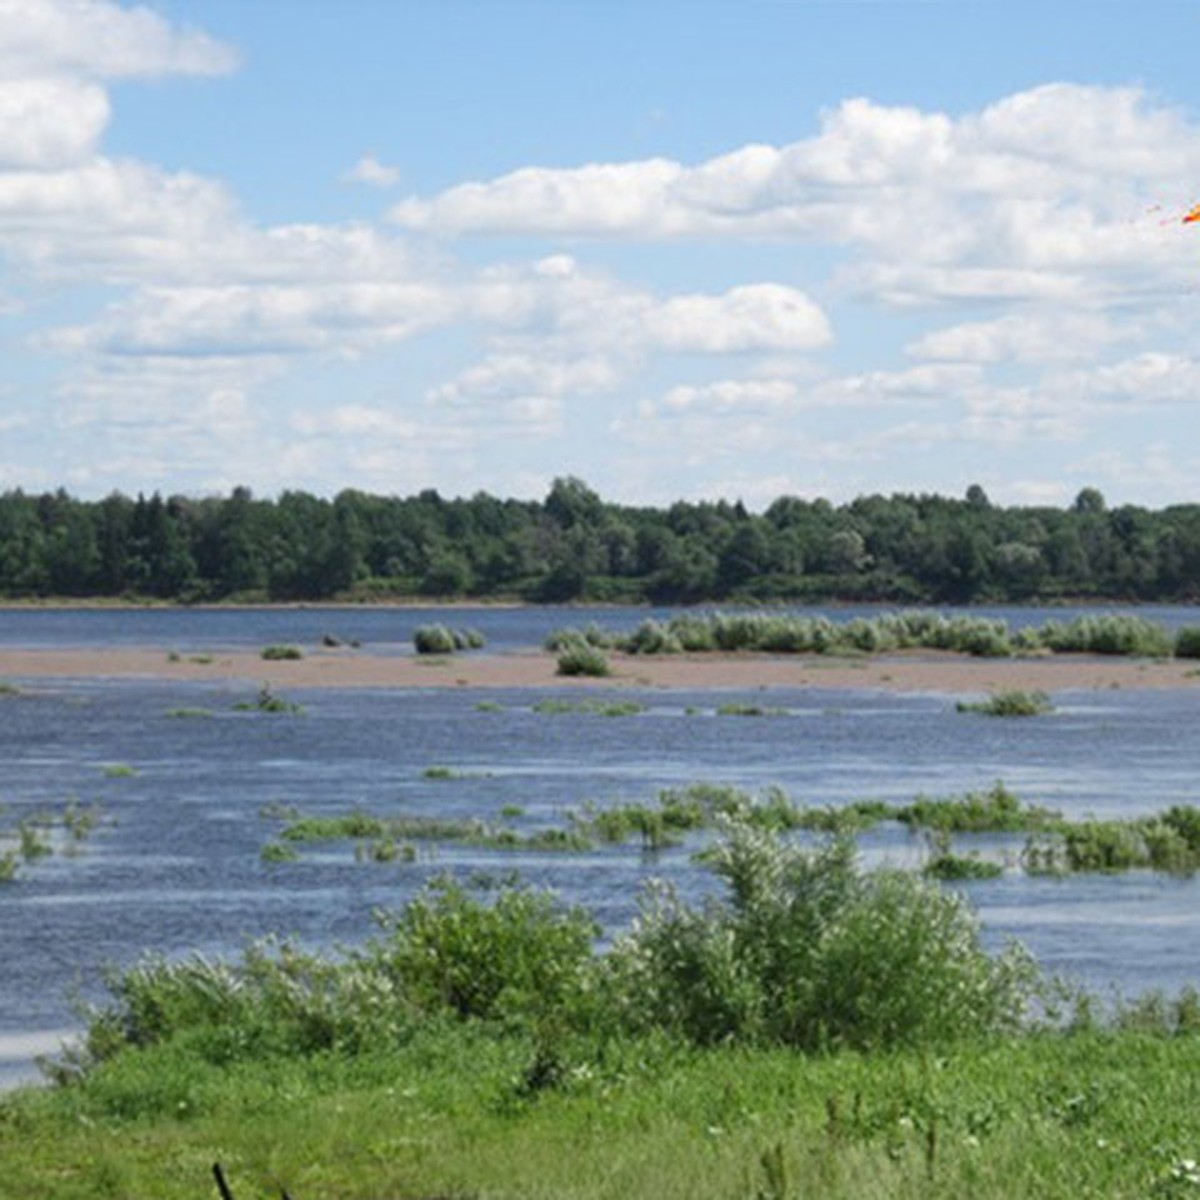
573,545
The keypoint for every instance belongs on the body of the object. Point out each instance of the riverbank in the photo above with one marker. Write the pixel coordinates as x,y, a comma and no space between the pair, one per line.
922,671
1054,1116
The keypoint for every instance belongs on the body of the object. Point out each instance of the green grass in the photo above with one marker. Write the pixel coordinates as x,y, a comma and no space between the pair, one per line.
1056,1118
120,771
190,714
820,1031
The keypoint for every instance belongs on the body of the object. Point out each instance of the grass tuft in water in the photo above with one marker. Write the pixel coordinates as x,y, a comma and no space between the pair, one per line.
1010,703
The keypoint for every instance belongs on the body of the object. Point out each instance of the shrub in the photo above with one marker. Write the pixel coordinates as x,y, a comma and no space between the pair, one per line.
281,653
812,953
434,639
582,659
441,639
1187,642
519,955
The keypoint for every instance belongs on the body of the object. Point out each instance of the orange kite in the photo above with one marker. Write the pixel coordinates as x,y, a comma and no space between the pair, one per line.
1193,215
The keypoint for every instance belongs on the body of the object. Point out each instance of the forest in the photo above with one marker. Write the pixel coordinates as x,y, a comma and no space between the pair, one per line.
575,546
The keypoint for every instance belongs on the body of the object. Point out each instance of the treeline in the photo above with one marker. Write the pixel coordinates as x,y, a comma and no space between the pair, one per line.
575,546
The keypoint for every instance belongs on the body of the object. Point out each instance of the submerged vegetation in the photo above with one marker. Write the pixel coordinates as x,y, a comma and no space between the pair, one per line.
41,834
266,702
1168,841
1010,703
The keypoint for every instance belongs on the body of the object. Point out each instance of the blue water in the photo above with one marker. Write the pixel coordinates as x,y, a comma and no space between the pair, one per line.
390,629
175,865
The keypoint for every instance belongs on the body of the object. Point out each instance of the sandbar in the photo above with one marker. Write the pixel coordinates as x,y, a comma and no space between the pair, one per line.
345,668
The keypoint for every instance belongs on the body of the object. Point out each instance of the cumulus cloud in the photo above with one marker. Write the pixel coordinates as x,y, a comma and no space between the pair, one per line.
371,171
1030,196
763,316
97,39
1046,336
1017,216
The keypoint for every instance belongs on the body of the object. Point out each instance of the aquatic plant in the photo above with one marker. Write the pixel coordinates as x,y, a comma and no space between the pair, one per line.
733,709
599,708
277,852
268,702
120,771
190,713
1009,703
947,866
996,810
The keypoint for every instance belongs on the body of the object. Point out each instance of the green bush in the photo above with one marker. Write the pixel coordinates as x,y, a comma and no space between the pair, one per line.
518,956
281,653
581,658
434,639
810,952
441,639
1187,642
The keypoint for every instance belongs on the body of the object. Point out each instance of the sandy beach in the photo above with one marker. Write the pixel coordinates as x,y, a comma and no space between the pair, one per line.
917,672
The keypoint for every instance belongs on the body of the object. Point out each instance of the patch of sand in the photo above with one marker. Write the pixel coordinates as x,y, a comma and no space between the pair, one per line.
361,669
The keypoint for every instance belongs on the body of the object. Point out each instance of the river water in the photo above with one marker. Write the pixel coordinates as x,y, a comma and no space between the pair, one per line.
175,863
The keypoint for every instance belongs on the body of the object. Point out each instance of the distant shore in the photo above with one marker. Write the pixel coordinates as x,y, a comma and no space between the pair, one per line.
344,668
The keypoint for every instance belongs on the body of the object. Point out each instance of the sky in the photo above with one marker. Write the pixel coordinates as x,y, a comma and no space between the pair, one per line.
680,250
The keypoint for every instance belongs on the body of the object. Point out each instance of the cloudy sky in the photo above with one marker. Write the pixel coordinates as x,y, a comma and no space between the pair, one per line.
681,249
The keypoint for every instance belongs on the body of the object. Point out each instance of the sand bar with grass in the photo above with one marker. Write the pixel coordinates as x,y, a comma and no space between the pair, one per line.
917,671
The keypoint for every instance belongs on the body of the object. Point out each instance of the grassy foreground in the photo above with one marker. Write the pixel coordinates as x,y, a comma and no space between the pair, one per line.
452,1115
819,1031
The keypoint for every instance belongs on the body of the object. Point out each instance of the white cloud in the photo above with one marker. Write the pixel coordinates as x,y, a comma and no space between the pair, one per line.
733,396
1022,337
371,171
96,39
512,375
764,316
47,123
1030,197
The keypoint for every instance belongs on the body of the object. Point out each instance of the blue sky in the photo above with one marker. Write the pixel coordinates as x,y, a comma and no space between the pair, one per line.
680,250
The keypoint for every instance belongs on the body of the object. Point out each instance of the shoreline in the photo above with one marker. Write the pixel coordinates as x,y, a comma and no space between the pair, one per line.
340,668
